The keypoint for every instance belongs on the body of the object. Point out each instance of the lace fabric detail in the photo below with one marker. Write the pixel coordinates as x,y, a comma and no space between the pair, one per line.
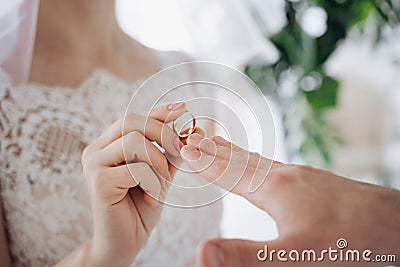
46,207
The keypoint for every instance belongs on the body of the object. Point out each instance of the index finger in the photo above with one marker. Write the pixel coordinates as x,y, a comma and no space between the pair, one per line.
153,129
169,112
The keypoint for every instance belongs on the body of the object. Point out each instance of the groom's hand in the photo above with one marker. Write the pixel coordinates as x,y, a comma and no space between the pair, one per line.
313,208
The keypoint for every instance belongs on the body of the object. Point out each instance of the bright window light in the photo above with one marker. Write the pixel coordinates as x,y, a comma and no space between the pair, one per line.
155,23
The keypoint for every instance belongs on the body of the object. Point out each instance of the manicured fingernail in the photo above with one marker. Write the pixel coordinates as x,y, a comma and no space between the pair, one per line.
214,256
175,106
177,144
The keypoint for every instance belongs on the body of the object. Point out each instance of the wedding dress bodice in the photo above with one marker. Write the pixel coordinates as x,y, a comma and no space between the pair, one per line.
45,202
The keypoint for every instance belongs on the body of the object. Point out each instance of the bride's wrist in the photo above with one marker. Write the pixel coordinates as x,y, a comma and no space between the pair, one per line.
92,255
96,254
81,256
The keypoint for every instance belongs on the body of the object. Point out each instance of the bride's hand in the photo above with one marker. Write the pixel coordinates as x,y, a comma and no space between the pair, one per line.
122,169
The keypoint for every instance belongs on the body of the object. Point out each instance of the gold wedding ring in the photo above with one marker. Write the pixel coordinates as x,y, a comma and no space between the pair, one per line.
189,131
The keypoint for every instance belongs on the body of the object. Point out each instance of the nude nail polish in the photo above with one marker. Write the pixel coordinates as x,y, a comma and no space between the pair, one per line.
175,106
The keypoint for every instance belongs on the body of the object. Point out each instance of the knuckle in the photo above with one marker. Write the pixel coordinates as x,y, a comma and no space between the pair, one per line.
88,159
86,153
129,117
94,179
221,166
281,177
85,171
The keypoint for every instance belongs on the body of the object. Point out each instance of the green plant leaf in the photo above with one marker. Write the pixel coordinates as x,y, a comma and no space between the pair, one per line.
325,96
303,55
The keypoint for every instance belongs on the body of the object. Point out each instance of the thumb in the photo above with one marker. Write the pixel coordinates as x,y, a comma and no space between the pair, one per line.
236,253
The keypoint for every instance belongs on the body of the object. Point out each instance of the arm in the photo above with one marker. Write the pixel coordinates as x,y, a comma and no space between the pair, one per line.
5,259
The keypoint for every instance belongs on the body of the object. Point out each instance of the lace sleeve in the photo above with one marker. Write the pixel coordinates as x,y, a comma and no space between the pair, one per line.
9,110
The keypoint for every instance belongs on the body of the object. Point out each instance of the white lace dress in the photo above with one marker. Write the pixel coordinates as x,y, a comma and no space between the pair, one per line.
45,203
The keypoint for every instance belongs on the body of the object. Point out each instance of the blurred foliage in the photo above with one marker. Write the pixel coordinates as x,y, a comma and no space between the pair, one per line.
303,56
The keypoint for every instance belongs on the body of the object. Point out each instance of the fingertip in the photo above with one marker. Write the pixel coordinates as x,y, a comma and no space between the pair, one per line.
190,153
176,106
194,139
172,115
197,131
